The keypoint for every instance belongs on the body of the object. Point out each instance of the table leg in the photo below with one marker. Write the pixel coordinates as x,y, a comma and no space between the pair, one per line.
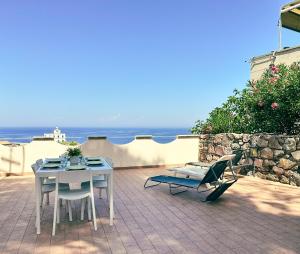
37,204
111,200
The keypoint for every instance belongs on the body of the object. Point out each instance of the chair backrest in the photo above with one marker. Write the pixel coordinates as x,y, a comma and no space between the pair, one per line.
109,161
238,157
228,157
34,167
74,177
215,171
39,162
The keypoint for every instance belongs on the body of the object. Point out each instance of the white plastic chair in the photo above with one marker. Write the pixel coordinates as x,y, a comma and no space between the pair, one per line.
83,192
45,188
100,182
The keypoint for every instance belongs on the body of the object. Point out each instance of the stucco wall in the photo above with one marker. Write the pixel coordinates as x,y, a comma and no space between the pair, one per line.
261,63
18,159
143,151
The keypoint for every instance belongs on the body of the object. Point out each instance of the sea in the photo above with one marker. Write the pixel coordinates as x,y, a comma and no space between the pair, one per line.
114,135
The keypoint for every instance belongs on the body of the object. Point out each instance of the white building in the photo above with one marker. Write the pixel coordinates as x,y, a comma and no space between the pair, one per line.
57,135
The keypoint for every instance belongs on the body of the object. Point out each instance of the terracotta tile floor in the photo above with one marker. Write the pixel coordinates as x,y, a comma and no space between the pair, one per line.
254,216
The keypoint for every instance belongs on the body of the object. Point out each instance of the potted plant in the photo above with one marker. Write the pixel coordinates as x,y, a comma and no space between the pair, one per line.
74,154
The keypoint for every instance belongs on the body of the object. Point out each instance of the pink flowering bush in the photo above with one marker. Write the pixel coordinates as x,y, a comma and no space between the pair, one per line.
270,104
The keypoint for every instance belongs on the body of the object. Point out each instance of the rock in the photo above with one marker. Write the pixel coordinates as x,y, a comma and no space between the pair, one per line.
227,150
215,158
288,173
272,177
278,153
246,138
262,142
253,152
295,178
250,173
237,136
289,145
211,148
278,171
218,139
295,168
246,146
235,146
201,145
266,137
209,157
253,140
296,155
284,180
266,153
258,163
219,150
250,161
204,136
230,136
225,141
273,143
286,164
202,157
269,163
260,175
280,141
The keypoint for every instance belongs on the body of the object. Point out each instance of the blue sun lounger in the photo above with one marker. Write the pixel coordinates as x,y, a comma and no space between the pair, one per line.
214,177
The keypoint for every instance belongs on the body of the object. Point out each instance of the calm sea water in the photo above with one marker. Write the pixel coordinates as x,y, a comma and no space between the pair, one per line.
114,135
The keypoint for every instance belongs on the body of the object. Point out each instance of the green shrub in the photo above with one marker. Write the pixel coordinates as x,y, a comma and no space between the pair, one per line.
270,104
73,152
71,143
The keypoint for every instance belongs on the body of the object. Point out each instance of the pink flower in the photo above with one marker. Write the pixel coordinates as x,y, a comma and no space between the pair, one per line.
274,69
274,105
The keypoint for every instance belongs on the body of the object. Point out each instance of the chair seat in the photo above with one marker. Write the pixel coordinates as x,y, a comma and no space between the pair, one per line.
49,181
100,184
187,182
51,186
48,188
96,183
100,177
74,194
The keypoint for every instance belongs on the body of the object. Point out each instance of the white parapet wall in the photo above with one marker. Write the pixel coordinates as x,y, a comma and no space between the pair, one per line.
18,159
144,151
141,152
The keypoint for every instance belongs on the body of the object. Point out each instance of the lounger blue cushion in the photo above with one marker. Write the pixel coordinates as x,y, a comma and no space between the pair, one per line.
188,182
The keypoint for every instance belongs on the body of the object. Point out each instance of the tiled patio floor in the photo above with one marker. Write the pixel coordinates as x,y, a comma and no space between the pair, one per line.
254,216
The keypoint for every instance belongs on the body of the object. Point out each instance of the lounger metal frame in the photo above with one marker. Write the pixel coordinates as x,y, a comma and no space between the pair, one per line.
215,179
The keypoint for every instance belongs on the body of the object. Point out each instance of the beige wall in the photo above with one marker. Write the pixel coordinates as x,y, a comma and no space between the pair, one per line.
146,152
18,159
261,63
140,152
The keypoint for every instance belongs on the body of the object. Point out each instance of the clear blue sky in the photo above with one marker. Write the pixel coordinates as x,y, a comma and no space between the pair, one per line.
128,63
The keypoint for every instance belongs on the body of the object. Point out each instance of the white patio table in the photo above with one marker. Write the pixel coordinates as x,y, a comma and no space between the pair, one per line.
105,169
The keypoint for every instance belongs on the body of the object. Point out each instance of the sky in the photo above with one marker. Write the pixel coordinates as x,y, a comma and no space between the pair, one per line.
128,63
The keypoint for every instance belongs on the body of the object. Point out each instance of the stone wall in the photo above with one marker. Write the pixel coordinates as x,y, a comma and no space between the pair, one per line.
275,157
